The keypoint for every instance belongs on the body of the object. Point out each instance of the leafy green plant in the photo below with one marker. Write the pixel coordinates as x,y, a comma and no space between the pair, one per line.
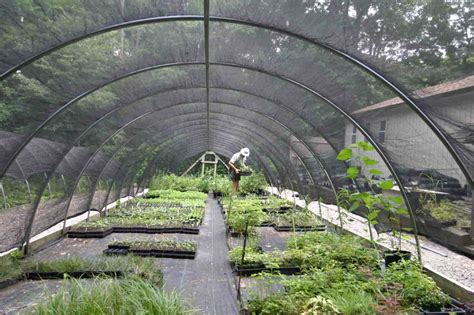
373,202
339,275
172,194
253,184
294,218
173,208
416,287
180,183
320,304
161,244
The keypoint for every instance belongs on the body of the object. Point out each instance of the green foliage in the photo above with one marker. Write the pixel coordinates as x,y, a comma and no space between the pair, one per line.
166,208
320,304
328,250
374,203
351,301
10,267
220,184
278,304
159,244
128,296
141,266
345,154
274,259
340,275
150,216
253,184
243,214
445,211
179,183
416,288
170,194
294,218
145,267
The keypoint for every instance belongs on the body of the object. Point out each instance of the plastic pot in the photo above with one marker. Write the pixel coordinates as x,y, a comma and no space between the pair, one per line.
393,256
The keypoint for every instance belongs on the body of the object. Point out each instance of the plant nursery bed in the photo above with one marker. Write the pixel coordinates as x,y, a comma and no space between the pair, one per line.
277,210
266,224
299,228
455,307
446,311
119,229
162,248
89,233
74,274
249,270
152,253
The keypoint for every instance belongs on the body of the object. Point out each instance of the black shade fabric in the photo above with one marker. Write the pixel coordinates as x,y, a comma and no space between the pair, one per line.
98,95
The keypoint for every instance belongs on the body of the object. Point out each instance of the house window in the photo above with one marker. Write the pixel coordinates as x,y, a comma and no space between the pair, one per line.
354,134
383,126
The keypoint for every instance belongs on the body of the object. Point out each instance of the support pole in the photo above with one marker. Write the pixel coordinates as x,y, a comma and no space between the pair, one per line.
472,214
239,296
5,205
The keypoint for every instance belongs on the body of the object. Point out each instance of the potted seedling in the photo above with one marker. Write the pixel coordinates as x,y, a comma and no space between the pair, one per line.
245,170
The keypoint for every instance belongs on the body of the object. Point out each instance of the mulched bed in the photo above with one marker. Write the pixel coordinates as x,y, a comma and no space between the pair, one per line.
84,274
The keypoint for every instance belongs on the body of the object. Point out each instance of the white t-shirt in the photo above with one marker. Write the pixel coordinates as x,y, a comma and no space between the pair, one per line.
236,157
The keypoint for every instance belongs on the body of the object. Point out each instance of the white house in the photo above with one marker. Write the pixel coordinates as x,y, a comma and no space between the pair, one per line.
408,139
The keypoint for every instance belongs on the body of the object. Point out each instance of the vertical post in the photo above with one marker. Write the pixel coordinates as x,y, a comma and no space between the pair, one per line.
203,159
4,196
244,246
64,183
215,164
29,190
320,209
472,213
49,186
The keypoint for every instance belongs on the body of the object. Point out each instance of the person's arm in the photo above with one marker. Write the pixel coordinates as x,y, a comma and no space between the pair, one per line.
236,170
234,159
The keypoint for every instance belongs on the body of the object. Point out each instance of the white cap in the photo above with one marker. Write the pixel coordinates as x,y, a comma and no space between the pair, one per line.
245,152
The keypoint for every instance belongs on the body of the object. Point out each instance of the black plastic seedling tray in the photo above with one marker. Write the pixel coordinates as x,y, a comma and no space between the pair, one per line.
120,229
247,271
151,252
74,274
8,282
275,210
450,310
299,228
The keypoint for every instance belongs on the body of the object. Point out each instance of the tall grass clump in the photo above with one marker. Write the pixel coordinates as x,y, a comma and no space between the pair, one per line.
131,295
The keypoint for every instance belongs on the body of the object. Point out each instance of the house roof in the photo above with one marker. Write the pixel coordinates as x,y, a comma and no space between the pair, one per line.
443,88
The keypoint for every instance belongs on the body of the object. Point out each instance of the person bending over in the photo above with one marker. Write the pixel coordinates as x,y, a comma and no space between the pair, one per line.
235,164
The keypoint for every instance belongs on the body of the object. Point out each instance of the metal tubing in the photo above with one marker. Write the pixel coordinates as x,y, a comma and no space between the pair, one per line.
397,89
